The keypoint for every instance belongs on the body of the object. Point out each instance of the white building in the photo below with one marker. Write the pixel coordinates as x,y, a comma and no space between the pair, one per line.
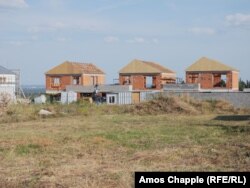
7,83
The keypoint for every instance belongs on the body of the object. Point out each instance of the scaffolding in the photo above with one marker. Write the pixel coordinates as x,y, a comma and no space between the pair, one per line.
19,91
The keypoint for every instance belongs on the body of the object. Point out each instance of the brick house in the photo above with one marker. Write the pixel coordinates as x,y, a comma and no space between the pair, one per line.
144,75
212,75
72,73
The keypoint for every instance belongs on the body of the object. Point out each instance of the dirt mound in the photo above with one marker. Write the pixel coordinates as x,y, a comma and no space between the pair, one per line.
181,105
165,105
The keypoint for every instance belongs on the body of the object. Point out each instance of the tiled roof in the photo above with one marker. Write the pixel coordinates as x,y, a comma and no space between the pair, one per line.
206,64
5,71
75,68
139,66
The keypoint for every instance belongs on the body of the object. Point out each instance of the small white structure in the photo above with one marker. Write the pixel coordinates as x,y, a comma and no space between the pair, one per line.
68,97
247,90
40,99
114,94
111,98
119,98
7,83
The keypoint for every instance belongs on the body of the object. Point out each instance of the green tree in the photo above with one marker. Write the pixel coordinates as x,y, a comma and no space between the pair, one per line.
247,84
242,85
222,83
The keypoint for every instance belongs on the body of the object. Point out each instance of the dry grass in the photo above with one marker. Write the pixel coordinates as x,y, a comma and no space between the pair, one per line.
84,145
157,106
105,150
183,105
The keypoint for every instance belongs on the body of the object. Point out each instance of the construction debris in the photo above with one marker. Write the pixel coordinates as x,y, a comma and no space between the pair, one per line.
43,112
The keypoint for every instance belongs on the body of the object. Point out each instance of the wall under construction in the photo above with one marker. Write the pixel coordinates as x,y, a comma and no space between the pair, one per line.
212,80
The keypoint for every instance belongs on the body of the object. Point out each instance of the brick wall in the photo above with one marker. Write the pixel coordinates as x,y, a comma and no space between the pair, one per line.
206,81
88,80
138,81
157,82
192,78
229,80
64,80
210,80
101,79
122,80
47,82
217,80
68,80
235,82
170,76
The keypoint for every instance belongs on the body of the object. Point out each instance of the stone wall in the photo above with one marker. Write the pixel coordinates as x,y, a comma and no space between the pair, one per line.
181,87
210,80
138,81
238,99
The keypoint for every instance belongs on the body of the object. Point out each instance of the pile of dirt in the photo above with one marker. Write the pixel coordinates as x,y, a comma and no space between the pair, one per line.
181,105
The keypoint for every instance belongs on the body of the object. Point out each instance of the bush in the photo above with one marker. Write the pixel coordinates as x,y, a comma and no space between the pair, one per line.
5,99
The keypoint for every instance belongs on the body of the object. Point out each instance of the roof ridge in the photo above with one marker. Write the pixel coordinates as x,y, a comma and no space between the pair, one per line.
136,66
219,62
69,67
208,64
162,68
74,62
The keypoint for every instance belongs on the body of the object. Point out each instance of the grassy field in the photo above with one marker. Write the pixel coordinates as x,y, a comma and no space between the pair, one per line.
101,150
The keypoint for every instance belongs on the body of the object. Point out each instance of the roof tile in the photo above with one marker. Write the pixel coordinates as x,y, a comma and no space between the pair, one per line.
206,64
139,66
75,68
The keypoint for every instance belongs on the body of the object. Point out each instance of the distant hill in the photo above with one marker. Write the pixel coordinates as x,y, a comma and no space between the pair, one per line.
33,90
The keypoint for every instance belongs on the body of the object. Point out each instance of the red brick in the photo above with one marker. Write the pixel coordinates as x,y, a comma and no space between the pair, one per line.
211,80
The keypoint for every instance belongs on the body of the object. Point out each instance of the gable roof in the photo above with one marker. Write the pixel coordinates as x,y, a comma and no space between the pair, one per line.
75,68
139,66
206,64
5,71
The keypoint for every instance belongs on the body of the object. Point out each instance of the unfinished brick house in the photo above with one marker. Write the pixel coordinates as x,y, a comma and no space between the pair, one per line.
212,75
144,75
72,73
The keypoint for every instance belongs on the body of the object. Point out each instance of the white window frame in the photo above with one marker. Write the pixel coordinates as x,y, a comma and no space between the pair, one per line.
56,81
109,97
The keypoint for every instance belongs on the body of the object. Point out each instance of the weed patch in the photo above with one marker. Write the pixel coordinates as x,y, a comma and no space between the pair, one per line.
27,149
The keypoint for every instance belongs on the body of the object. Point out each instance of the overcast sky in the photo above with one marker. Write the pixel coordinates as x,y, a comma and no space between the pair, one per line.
36,35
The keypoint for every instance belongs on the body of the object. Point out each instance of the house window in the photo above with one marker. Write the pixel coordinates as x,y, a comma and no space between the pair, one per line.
223,80
193,78
149,82
127,80
111,99
219,80
2,80
56,81
76,80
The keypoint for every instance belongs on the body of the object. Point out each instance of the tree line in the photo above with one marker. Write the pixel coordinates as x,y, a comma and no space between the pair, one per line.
243,84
